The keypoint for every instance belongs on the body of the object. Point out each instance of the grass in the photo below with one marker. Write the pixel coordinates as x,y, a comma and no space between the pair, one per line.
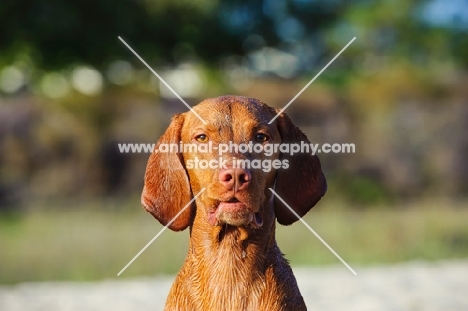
96,242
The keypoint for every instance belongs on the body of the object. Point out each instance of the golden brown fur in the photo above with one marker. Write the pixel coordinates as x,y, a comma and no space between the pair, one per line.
233,262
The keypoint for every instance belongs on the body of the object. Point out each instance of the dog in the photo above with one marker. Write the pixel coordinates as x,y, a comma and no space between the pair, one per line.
233,261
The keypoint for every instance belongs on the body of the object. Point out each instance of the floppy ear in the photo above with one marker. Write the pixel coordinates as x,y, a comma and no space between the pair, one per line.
303,183
167,188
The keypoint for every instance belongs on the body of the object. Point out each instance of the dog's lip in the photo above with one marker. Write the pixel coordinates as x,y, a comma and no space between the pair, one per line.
232,198
219,201
233,205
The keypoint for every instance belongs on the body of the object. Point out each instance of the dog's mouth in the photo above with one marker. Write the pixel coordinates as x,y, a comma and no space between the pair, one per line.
235,213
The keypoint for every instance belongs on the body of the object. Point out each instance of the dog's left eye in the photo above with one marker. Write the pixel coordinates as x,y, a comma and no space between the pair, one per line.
202,138
261,138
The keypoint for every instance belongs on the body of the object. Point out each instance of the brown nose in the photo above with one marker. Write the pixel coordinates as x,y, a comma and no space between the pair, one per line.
234,178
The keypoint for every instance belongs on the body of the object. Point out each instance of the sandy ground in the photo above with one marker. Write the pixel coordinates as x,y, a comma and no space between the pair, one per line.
412,286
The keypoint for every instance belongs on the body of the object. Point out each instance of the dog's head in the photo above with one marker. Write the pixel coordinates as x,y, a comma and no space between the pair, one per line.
232,156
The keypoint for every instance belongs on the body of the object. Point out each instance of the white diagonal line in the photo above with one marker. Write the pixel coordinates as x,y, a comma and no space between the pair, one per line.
315,233
162,80
316,76
159,233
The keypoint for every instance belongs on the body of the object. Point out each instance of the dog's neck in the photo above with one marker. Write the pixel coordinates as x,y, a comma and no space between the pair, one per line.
242,245
231,261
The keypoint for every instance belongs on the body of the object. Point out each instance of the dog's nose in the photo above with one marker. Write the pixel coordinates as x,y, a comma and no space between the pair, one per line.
234,178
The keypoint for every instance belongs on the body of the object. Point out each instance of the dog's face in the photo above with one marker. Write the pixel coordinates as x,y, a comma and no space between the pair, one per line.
232,143
236,193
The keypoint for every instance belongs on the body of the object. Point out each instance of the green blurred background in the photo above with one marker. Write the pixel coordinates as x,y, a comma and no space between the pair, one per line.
70,91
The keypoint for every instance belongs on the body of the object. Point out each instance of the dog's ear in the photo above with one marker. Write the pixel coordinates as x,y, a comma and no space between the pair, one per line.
167,188
303,183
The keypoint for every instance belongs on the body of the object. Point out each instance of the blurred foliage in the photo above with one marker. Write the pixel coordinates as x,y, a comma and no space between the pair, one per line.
58,34
70,91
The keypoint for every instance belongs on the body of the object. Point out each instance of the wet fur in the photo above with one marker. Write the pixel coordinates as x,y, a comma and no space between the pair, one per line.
232,267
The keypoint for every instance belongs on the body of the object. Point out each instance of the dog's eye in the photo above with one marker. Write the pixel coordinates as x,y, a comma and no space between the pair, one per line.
261,138
202,138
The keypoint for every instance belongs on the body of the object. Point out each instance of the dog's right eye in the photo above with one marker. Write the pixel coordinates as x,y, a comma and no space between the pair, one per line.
202,138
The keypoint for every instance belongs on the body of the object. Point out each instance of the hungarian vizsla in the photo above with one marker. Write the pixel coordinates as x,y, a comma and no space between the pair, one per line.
233,261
